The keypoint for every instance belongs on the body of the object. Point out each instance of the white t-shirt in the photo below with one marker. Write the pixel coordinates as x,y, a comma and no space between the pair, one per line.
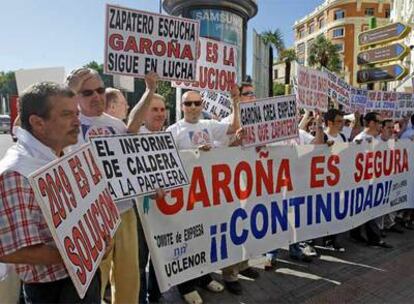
191,136
363,136
103,125
408,133
304,138
337,139
99,125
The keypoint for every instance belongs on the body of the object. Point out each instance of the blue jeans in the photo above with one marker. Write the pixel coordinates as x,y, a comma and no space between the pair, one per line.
61,291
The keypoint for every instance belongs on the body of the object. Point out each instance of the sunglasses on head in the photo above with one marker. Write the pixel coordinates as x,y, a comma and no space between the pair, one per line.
249,93
88,93
196,103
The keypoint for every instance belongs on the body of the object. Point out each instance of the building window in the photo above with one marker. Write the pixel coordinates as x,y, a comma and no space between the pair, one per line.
301,48
310,42
321,22
338,32
311,28
365,27
369,11
339,14
339,47
387,13
301,33
276,74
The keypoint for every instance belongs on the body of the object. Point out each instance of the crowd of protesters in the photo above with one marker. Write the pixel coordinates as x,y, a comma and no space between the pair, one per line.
54,119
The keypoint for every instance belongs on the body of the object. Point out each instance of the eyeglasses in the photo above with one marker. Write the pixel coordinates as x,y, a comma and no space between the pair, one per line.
249,93
88,93
196,103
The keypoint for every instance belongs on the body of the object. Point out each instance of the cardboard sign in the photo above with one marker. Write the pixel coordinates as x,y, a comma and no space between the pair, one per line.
216,67
338,90
269,120
27,77
138,42
382,102
312,89
242,203
79,212
135,165
405,105
358,100
216,104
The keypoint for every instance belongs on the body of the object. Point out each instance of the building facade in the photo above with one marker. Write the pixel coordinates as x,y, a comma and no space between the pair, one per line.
340,21
403,11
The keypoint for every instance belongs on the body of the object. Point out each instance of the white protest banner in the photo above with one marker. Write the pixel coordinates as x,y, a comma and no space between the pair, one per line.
27,77
312,89
216,67
358,100
405,105
138,42
236,208
216,104
338,90
79,212
382,102
269,120
135,165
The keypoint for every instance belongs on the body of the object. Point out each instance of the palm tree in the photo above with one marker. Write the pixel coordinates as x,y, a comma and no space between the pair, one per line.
288,56
275,39
323,53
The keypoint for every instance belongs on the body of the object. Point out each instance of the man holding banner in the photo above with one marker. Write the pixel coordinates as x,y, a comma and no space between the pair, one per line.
121,266
49,123
192,133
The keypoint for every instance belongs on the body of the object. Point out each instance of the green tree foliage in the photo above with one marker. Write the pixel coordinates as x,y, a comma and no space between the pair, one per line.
278,89
275,39
323,53
8,84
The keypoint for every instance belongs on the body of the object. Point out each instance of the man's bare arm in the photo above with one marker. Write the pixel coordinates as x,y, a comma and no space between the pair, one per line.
137,115
36,254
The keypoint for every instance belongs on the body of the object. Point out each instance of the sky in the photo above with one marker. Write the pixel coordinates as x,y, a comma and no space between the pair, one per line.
70,33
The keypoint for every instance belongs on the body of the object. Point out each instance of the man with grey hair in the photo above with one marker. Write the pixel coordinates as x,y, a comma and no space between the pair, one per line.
121,266
49,124
116,104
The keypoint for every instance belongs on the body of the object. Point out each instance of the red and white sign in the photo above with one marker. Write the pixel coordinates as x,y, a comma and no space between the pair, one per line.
312,89
79,211
216,104
138,42
339,90
405,105
216,67
382,102
269,120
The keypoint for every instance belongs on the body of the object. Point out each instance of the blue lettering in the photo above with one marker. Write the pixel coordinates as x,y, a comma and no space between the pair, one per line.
379,194
277,217
238,239
296,202
321,207
368,198
359,200
338,214
259,233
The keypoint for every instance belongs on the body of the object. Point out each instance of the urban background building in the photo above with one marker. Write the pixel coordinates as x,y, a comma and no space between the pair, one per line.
340,21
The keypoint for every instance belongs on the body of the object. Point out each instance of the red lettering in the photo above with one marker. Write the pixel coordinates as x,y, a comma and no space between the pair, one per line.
74,258
80,176
167,209
315,170
283,177
333,161
239,181
264,177
404,167
197,181
378,164
368,174
359,167
221,183
82,248
45,191
131,45
116,42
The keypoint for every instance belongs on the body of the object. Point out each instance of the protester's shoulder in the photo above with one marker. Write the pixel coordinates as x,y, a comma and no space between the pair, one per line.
113,120
10,179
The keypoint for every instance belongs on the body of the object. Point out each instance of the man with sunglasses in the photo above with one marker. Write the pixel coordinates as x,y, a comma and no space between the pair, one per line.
122,264
191,132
